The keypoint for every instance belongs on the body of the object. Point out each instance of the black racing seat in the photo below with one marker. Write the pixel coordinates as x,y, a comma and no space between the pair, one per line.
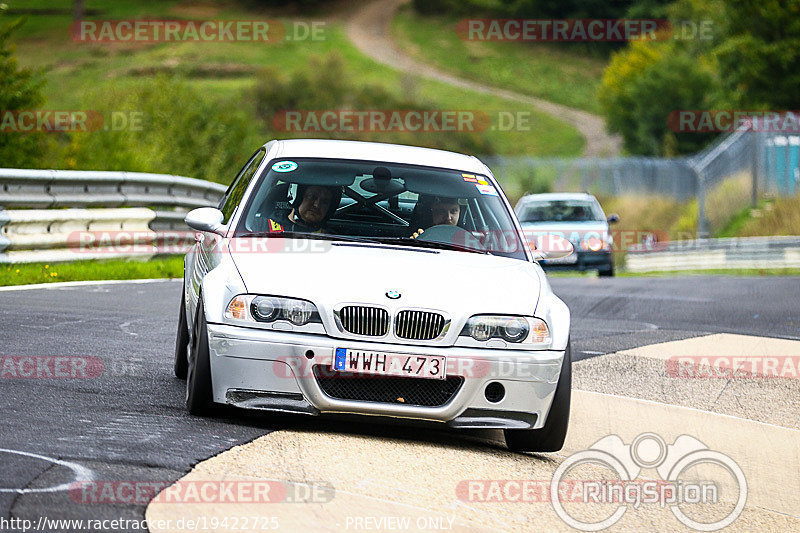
276,201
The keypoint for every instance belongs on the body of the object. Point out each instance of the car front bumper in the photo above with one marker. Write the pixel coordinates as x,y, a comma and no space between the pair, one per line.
583,261
273,371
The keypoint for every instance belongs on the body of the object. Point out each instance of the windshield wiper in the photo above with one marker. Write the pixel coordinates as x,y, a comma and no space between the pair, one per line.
431,244
305,235
372,240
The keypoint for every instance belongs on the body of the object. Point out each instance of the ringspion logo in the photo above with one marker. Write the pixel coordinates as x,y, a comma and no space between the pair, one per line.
674,489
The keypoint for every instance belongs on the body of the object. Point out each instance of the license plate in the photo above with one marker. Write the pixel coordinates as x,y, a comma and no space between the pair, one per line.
389,364
571,259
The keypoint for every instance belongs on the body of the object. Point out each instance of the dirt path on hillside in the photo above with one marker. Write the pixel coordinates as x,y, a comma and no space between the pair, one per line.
369,30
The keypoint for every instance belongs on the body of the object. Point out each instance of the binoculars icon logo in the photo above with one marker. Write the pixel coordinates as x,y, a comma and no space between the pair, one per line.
670,461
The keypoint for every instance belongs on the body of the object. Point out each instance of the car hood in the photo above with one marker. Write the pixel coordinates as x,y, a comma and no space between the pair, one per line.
459,283
573,231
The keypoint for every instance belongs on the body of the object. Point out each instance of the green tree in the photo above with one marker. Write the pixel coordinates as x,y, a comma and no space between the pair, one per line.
20,89
646,82
326,85
168,127
616,96
759,61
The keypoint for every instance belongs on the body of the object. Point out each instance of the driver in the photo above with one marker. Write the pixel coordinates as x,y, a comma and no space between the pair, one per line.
435,211
312,208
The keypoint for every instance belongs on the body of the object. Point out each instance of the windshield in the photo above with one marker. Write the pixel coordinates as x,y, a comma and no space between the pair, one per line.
561,211
380,202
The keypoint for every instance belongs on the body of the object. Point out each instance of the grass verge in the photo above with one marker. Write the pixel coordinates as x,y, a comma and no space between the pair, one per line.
77,72
761,272
765,272
778,216
172,267
548,71
29,273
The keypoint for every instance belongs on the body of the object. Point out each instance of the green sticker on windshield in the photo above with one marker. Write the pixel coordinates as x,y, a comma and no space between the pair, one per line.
284,166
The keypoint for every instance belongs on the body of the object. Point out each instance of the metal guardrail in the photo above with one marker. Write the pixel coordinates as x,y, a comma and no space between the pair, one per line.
80,188
50,235
144,205
708,254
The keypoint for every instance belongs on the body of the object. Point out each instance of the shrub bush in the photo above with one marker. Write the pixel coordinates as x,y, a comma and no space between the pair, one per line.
325,85
182,132
20,89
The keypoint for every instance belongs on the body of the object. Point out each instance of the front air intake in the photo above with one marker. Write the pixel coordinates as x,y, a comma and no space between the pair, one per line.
368,321
418,325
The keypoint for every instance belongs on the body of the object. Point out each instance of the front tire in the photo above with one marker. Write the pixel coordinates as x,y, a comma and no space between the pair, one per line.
607,272
199,392
551,437
181,366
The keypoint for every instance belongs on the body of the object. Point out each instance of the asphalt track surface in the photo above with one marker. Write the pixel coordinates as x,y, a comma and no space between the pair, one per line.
128,424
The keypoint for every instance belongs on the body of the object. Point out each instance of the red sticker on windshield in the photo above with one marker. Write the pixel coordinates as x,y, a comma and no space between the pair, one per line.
486,189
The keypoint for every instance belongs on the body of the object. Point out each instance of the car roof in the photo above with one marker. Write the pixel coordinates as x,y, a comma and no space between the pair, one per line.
373,151
557,196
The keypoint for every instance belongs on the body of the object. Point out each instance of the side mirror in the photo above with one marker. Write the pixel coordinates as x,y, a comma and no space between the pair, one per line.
206,219
613,218
550,246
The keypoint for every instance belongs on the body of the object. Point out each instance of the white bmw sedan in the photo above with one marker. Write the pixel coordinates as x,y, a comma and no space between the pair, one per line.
341,277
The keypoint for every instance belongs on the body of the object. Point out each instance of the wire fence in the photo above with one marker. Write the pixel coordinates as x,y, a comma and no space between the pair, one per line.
746,163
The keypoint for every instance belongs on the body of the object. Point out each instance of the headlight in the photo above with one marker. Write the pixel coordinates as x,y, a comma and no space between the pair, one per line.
513,329
596,242
265,309
251,308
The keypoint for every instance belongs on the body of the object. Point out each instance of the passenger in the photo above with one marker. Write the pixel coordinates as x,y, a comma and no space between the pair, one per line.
435,211
312,208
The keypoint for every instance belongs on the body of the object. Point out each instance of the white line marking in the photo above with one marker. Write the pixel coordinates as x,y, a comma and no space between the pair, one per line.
64,284
126,328
81,474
